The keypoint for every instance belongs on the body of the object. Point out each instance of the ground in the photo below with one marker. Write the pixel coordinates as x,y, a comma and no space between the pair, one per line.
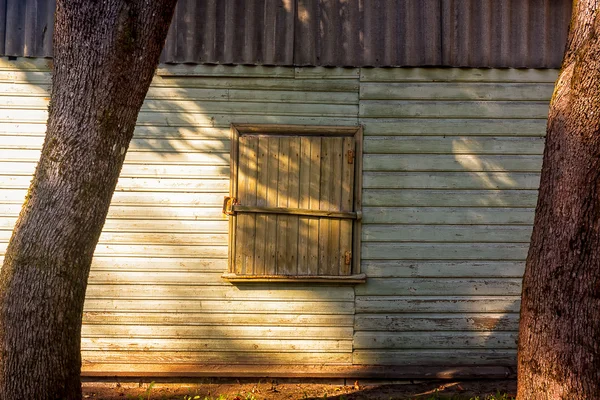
208,389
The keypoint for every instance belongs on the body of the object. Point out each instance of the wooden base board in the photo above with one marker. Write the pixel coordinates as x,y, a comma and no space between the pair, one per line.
299,371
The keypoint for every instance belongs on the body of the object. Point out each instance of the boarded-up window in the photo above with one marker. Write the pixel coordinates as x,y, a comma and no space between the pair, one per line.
294,203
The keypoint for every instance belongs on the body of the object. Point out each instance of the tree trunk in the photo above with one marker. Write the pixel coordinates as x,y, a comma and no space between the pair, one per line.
105,54
559,339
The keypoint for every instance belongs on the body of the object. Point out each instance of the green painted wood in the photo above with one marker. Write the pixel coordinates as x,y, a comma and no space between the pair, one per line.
435,357
464,322
437,304
448,215
435,340
452,162
454,145
453,109
451,180
443,269
446,233
451,172
457,75
454,127
450,198
444,251
521,92
433,286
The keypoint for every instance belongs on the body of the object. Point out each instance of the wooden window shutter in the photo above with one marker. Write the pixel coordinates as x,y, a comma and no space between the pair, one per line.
294,203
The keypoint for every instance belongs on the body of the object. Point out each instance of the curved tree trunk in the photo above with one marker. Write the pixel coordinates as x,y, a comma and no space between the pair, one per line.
105,54
559,340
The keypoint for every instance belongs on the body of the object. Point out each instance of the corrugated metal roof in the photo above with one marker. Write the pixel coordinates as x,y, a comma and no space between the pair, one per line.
459,33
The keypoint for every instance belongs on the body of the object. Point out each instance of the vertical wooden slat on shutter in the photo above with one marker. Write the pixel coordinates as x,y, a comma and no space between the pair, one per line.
304,202
314,201
337,148
242,219
262,183
250,199
282,201
325,204
291,267
271,220
246,223
347,185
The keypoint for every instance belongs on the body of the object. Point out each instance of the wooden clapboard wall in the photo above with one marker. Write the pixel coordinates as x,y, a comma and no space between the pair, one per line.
156,302
451,169
451,163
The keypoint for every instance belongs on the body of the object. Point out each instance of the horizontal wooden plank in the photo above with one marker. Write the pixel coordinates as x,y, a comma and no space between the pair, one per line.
25,64
458,75
435,357
259,292
214,345
222,332
277,107
125,277
220,306
450,198
224,119
452,162
453,145
161,360
451,180
448,215
326,72
165,200
223,70
445,251
435,340
454,127
194,219
258,83
147,238
443,269
140,184
437,304
434,286
135,156
231,320
135,170
208,251
446,233
452,109
304,371
522,91
158,264
211,251
437,322
154,145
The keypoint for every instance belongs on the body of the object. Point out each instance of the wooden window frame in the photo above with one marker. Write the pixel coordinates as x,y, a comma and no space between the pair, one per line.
238,130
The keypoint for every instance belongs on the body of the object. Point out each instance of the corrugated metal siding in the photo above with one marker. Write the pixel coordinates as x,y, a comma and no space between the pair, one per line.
451,170
506,33
156,301
475,33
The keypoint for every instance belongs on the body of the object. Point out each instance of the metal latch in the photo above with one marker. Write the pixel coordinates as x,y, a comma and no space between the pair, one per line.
228,203
350,156
348,257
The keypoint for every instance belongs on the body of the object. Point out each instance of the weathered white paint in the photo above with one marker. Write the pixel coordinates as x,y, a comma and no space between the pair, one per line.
450,176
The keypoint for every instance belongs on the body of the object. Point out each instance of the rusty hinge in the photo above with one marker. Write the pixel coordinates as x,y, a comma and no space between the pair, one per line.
350,156
348,257
228,203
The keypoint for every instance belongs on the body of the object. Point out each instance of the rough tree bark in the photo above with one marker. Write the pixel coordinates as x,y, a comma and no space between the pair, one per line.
559,340
105,54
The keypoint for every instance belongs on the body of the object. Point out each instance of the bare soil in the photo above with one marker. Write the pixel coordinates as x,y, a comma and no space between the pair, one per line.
288,389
